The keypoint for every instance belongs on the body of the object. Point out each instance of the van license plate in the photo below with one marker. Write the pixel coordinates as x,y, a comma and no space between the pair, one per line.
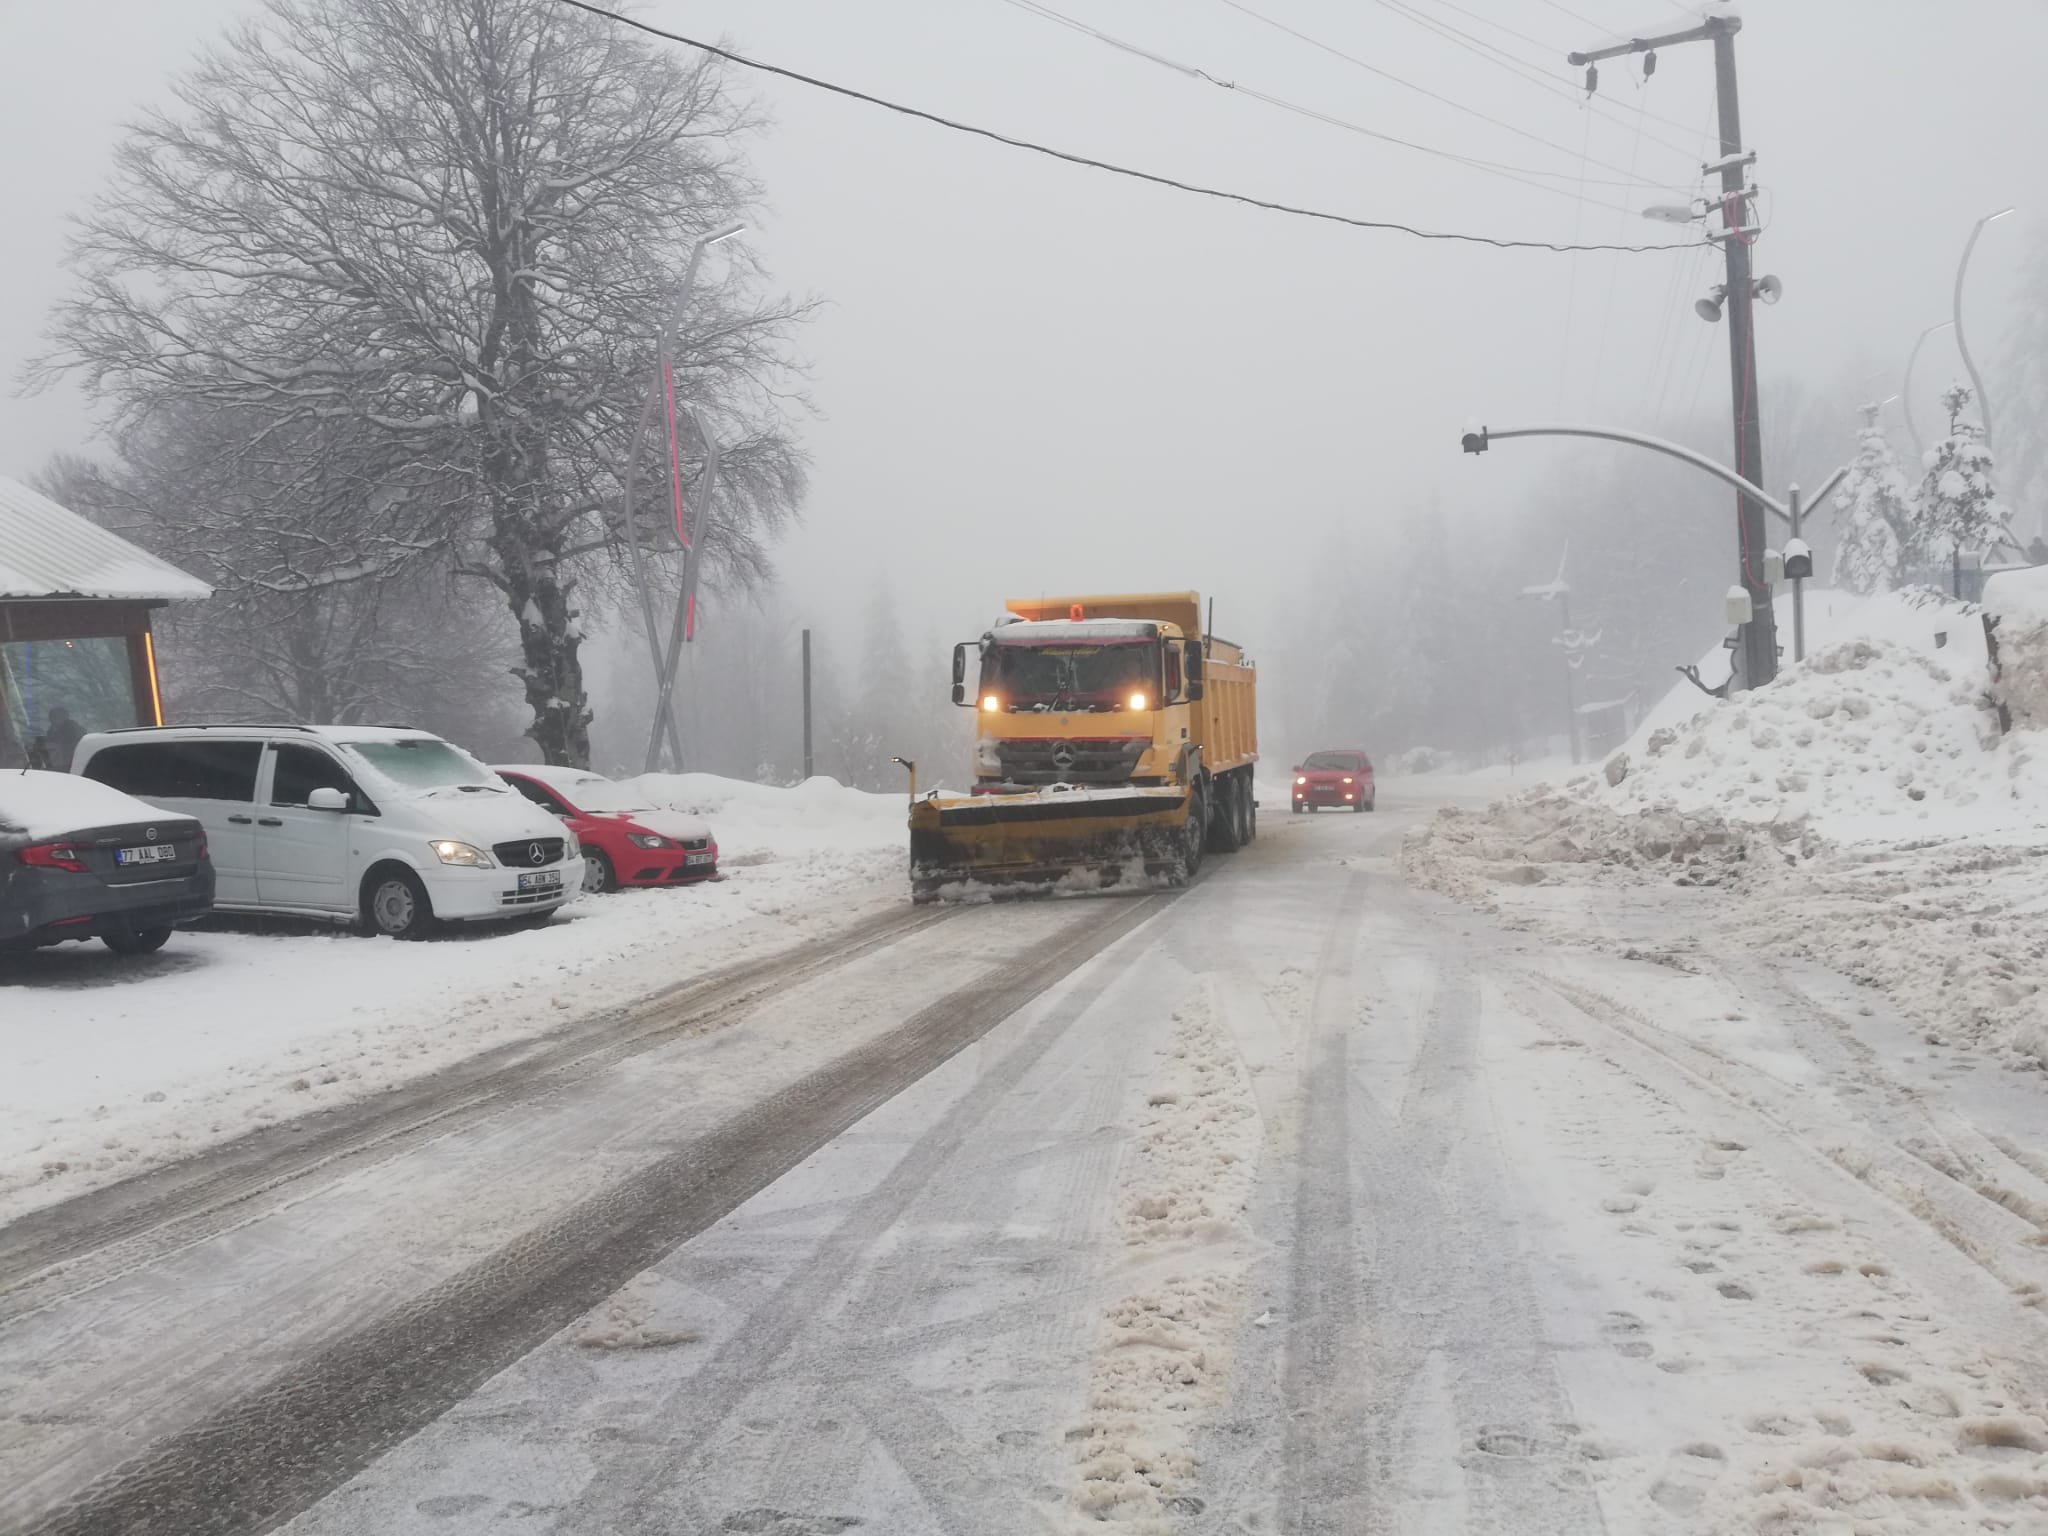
155,853
542,880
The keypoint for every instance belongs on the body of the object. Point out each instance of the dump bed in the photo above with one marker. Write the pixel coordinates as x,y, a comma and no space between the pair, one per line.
1225,721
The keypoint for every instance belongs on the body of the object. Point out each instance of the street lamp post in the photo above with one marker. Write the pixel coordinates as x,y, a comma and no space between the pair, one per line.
1906,389
663,379
1962,346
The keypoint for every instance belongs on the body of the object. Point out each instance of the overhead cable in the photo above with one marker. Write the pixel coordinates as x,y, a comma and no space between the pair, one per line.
1515,173
1400,80
1107,167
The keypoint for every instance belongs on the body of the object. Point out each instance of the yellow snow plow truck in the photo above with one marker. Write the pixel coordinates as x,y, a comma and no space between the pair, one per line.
1114,743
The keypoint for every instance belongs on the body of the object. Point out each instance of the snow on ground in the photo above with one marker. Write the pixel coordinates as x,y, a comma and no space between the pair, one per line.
1862,810
110,1065
1879,736
1162,1351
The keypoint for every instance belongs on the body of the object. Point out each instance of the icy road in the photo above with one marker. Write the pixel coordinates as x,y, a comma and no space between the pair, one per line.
1302,1201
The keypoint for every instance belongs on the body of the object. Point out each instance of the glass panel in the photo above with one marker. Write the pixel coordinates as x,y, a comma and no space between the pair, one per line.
301,770
422,762
53,691
180,770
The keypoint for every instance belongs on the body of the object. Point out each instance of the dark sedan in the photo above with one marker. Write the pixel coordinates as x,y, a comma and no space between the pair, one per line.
79,860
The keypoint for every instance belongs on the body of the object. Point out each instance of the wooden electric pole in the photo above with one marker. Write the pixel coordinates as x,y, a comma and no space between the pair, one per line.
807,704
1756,657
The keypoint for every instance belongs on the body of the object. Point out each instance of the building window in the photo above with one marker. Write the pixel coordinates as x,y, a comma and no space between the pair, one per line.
54,691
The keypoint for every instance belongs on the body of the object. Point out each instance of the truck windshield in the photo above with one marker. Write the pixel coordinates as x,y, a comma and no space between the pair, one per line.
1098,676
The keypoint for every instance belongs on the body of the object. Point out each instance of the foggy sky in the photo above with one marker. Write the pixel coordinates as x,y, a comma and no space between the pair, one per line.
1033,377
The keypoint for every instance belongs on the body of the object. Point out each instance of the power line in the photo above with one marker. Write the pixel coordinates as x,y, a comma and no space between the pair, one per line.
1501,59
1575,16
1070,158
1537,42
1513,173
1374,69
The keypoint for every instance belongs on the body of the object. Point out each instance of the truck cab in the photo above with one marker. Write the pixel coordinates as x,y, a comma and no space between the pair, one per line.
1080,701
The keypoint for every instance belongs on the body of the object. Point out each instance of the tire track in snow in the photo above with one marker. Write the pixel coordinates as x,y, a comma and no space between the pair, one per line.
642,1489
1421,1391
77,1245
282,1446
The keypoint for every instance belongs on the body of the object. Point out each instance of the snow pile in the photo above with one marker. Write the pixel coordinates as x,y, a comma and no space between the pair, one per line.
1874,738
819,821
109,1066
1162,1354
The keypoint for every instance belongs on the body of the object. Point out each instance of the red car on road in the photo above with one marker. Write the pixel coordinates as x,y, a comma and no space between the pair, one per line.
625,841
1340,779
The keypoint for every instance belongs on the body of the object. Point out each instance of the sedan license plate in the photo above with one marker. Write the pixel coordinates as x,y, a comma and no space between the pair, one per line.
155,853
542,880
692,860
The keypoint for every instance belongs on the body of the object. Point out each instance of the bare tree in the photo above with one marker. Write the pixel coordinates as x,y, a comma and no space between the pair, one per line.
453,228
328,607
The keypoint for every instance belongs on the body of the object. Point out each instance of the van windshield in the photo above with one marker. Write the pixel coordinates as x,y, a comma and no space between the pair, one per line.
422,762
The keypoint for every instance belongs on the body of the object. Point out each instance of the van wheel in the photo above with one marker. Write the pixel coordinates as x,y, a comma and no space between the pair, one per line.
395,904
146,942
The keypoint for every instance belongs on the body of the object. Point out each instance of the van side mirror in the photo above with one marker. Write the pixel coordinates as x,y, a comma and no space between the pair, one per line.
1194,652
326,799
960,673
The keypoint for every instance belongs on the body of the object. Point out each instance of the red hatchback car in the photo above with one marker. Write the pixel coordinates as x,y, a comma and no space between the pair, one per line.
1340,779
625,842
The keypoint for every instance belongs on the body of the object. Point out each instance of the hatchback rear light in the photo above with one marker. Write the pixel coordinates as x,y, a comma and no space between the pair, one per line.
199,846
52,856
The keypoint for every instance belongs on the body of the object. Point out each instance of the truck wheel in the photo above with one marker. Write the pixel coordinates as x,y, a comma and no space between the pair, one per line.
1194,836
1223,819
1247,813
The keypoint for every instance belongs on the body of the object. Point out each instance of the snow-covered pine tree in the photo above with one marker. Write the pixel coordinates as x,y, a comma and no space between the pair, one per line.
1874,517
1958,505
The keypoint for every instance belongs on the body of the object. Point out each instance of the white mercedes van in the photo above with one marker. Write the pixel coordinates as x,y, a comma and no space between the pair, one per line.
395,829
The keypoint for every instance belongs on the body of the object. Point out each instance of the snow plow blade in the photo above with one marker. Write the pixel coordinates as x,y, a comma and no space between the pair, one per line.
1078,838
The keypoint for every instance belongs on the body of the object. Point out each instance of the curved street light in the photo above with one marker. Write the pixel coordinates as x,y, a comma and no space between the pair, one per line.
1962,346
1906,389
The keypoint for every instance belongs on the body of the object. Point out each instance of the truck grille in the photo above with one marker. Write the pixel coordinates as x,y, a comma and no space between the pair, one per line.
520,854
1070,762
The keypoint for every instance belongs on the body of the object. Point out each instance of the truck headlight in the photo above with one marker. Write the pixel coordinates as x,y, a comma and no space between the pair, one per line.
450,852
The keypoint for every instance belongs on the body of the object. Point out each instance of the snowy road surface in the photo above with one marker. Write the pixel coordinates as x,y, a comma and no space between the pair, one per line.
1302,1201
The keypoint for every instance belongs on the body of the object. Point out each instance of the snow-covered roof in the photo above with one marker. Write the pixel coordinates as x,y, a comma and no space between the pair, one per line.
46,551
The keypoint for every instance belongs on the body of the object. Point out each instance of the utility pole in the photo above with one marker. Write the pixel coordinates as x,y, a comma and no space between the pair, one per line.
807,704
1756,657
1571,674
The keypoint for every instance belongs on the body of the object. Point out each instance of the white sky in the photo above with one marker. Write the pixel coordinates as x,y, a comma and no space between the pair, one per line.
1037,377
